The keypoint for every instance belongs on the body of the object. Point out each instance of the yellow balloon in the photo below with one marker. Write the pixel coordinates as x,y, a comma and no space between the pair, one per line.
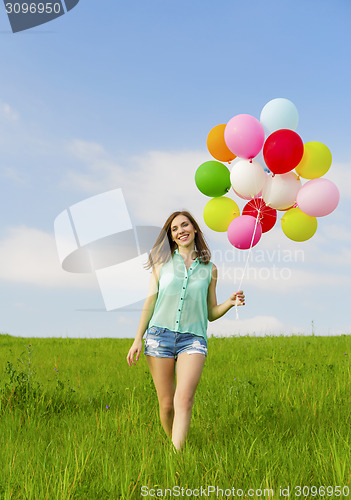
315,162
219,213
297,225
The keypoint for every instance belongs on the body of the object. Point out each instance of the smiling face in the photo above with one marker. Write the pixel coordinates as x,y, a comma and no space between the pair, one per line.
182,231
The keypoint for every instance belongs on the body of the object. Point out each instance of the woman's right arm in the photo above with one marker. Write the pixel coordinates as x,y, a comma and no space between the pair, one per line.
146,314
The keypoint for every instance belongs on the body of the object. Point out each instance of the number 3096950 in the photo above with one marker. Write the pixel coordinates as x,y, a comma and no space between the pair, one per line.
321,491
33,8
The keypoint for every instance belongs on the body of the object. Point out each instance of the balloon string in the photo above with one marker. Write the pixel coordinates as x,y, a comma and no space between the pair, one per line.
247,262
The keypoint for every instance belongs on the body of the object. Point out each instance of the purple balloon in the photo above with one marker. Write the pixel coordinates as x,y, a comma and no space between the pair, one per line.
244,136
318,197
241,230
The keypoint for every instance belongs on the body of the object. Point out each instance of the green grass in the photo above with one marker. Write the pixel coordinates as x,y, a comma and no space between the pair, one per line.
77,422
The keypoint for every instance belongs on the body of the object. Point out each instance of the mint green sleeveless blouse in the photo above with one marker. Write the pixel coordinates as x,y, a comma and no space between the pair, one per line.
181,304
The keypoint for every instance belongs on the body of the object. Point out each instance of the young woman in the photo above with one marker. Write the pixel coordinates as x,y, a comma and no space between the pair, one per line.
181,298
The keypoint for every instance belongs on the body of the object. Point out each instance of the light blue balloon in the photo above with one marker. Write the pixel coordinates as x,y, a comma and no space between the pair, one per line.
279,113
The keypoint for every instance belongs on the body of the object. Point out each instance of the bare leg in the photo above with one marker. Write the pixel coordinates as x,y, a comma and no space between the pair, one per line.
162,371
189,369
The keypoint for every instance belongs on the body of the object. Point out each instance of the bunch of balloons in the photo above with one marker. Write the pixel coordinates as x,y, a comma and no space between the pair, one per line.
267,190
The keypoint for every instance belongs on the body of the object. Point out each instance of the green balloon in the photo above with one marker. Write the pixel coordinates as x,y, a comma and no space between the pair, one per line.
213,178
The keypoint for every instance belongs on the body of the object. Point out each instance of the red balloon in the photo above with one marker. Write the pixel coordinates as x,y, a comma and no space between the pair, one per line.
283,151
267,215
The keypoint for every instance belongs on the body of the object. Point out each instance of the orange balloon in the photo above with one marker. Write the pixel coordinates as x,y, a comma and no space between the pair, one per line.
217,146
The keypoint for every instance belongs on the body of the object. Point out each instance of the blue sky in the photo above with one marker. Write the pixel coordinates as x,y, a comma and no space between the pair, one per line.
123,95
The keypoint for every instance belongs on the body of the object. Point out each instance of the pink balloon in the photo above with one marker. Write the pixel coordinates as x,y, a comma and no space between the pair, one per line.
244,136
318,197
241,230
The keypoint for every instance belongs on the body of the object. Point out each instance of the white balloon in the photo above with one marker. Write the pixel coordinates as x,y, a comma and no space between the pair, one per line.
258,195
280,190
247,178
279,113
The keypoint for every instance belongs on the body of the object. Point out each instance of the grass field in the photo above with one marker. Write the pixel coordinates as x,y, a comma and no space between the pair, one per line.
270,413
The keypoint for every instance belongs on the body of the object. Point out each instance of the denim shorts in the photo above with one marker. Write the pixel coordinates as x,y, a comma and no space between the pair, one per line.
163,343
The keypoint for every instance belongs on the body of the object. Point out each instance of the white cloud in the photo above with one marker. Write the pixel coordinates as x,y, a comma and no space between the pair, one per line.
166,182
337,232
101,173
154,184
340,258
7,112
87,151
268,325
340,174
125,320
13,174
259,325
28,255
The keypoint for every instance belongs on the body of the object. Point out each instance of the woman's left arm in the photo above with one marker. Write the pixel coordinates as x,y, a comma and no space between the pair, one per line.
215,310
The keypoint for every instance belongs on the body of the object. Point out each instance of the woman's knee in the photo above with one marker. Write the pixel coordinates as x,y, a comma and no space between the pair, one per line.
166,405
183,400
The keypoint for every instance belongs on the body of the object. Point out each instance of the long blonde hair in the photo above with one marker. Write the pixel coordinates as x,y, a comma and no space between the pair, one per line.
164,247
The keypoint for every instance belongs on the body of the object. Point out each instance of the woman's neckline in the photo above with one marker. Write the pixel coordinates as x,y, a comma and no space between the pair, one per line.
190,262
